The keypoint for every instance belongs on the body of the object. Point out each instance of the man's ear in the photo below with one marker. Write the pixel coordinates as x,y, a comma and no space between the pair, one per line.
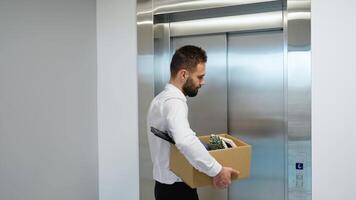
183,74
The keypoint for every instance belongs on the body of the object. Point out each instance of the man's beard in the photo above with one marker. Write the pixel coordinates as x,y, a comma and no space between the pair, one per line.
190,89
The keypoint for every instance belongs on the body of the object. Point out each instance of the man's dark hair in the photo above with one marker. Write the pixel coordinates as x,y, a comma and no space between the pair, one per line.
187,57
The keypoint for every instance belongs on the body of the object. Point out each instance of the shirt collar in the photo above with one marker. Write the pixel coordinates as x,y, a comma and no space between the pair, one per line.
177,92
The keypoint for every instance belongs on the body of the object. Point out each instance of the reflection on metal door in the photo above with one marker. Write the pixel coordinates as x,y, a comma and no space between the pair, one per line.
256,111
207,111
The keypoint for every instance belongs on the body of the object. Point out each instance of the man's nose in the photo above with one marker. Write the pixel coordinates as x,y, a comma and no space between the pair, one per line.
202,82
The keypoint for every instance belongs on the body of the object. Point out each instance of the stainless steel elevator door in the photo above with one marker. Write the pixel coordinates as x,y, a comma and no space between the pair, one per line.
208,110
244,95
256,111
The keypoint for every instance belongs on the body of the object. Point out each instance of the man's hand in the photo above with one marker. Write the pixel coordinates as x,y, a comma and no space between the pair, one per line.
223,179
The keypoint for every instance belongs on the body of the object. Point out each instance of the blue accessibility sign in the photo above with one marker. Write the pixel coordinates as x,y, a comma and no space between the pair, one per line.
299,166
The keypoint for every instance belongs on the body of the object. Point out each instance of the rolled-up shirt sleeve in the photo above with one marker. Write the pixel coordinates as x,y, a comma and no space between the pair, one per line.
187,142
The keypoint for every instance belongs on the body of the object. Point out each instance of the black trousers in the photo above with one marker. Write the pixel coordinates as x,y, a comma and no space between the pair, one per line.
176,191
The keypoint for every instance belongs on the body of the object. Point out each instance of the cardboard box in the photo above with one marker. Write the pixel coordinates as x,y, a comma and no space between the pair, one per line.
238,158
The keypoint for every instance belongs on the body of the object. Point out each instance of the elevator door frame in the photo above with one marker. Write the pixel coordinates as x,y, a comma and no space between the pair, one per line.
296,17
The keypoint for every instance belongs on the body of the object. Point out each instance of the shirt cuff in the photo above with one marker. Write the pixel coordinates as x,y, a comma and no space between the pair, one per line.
215,170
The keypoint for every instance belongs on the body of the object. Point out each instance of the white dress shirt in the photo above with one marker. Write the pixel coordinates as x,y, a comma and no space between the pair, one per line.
168,112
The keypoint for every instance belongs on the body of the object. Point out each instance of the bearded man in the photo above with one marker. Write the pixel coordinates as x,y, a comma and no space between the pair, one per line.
169,112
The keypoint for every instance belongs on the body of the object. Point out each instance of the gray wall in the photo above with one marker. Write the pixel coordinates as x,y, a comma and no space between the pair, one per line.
48,117
117,100
333,99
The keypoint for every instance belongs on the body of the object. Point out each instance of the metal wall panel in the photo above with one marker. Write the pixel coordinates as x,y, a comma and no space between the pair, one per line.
145,92
256,111
162,56
171,6
298,59
246,22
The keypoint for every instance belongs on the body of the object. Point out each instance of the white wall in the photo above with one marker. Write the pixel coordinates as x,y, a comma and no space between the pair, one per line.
48,117
117,100
334,99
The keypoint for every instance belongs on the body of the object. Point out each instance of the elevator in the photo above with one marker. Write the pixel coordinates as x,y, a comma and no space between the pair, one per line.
257,86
